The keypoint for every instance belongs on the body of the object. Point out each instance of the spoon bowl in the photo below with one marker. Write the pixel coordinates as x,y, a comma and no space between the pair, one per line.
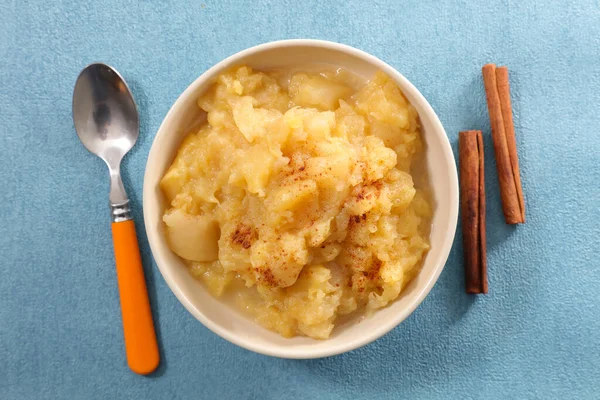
104,112
106,119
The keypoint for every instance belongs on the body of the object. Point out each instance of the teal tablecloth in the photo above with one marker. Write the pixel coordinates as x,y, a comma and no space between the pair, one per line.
536,335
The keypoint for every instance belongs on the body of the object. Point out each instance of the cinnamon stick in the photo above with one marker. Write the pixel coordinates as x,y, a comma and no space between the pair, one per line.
472,201
509,129
508,184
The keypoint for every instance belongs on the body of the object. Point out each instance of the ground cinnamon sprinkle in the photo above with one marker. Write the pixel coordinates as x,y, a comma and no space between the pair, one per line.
373,272
244,236
267,277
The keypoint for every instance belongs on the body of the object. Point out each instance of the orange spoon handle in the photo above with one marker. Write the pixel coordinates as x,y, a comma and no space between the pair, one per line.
138,328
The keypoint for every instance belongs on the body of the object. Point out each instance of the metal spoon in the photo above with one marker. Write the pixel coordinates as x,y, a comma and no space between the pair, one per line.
107,123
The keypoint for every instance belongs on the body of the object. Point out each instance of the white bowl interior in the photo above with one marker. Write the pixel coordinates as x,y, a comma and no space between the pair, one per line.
224,319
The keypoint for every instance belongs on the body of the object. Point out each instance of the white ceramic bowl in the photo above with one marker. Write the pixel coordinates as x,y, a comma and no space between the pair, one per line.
225,320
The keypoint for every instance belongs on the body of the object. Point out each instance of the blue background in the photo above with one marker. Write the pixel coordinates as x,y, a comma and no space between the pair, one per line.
537,333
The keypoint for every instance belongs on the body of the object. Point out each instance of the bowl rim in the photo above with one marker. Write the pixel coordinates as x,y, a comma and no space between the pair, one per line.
445,247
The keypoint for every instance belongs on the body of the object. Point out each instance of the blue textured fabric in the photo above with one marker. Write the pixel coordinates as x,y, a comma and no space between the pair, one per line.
537,333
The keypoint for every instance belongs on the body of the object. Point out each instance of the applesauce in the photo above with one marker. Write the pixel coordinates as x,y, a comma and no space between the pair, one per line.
296,196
